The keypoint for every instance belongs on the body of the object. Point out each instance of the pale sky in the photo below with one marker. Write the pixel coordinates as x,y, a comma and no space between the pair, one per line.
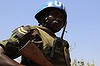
82,29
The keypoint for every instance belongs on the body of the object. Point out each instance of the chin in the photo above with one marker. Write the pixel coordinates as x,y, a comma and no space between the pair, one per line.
55,31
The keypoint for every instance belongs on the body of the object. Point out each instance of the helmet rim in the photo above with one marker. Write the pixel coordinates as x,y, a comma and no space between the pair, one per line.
37,16
49,5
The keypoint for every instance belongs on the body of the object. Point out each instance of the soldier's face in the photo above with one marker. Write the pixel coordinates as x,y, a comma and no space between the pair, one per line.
55,21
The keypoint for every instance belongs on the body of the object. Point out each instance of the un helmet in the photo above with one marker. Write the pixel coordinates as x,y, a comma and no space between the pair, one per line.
52,4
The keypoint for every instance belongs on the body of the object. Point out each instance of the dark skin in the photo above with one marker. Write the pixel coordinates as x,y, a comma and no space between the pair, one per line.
55,21
6,61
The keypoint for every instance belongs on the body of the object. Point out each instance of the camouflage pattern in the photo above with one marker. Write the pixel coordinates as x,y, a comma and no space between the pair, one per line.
42,37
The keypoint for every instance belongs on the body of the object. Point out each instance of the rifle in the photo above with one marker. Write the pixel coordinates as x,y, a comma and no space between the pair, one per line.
31,51
58,46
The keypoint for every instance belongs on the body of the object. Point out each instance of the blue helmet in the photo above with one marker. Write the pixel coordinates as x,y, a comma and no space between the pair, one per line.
52,4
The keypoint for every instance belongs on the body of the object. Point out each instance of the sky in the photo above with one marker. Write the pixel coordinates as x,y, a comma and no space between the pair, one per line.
83,26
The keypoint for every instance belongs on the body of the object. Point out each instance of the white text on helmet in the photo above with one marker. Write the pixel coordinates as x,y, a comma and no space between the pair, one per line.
58,3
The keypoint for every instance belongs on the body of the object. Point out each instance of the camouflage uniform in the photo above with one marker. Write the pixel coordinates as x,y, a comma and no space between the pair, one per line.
41,37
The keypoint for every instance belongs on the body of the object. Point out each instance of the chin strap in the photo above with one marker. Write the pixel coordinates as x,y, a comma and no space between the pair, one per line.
64,30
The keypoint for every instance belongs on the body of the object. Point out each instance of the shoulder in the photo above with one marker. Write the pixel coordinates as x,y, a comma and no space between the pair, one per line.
66,44
22,30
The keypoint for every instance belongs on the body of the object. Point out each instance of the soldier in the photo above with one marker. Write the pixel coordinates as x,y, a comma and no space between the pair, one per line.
47,49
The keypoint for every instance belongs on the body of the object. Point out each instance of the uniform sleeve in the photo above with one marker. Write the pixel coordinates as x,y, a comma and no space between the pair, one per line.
67,53
19,38
66,44
13,44
9,46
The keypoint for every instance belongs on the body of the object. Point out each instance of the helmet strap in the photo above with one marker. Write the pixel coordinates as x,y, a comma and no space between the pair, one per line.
64,30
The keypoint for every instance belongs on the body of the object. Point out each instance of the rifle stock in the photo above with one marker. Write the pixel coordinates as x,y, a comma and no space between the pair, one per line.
31,51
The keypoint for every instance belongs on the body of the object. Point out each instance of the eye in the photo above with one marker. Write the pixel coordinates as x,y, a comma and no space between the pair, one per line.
59,20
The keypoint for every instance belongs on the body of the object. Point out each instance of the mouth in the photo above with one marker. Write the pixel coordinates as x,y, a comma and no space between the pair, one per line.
56,27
